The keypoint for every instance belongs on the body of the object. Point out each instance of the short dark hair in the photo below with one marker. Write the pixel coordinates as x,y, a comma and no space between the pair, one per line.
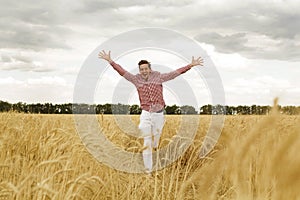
144,62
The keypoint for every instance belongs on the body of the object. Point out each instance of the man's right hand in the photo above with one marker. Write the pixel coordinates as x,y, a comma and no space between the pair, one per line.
105,56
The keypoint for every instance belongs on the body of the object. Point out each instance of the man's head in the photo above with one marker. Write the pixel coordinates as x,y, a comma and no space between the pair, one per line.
145,68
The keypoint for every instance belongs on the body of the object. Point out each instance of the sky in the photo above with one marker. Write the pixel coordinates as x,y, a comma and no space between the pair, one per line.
254,45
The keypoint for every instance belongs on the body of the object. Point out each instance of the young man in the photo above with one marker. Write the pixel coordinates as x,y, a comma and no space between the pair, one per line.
150,90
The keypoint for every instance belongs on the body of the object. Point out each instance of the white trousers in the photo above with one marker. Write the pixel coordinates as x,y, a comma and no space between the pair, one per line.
151,125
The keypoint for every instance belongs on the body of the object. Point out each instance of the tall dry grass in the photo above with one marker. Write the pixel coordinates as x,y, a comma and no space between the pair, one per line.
256,157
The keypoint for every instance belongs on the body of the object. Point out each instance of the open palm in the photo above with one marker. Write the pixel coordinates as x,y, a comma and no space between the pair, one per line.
106,56
197,61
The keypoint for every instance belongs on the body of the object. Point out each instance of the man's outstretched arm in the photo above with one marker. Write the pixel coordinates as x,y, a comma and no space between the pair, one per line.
106,56
174,74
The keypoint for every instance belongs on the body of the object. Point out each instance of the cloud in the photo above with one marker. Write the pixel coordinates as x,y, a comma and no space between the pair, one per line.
253,46
275,19
260,90
44,89
95,6
227,43
56,36
26,67
6,58
22,63
9,81
262,82
58,81
34,37
32,25
256,29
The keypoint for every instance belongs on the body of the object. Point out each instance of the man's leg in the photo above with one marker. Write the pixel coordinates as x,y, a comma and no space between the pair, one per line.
158,120
145,127
147,153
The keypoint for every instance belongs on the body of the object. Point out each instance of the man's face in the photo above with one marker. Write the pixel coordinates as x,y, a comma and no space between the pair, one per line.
145,71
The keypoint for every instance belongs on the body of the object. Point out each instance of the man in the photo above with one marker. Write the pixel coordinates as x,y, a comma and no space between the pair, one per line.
150,90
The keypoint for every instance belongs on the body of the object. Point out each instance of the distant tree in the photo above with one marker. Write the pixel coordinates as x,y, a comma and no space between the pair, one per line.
81,108
49,108
57,109
18,107
107,109
290,110
99,109
239,110
135,109
188,110
218,110
206,109
5,106
120,108
37,108
297,110
67,109
266,110
178,111
171,110
231,110
246,110
253,110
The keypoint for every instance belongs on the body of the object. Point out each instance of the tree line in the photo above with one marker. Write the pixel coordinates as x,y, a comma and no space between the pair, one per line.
69,108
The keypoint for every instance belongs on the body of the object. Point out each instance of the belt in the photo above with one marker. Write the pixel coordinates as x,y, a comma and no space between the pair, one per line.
160,111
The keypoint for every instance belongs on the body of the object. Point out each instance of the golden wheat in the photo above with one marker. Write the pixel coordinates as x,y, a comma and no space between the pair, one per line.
256,157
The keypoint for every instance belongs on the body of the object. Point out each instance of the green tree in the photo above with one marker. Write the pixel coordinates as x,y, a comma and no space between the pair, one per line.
188,110
5,106
171,110
218,110
206,109
120,109
107,109
135,109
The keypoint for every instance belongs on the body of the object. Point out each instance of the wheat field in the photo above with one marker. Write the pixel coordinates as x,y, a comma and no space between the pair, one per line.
256,157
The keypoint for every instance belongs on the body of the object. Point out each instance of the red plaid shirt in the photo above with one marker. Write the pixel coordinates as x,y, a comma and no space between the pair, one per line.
150,91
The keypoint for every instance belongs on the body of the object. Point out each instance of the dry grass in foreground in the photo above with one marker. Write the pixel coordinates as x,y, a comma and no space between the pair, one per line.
42,157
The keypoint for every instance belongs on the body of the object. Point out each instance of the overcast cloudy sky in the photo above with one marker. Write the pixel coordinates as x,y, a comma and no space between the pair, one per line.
255,46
